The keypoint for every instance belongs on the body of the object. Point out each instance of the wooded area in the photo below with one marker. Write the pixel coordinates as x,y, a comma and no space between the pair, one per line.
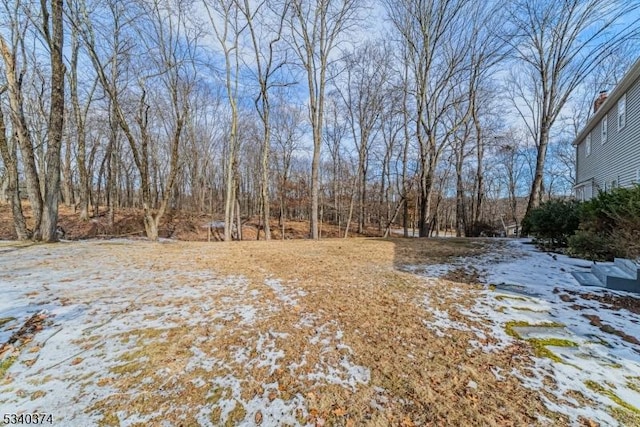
435,115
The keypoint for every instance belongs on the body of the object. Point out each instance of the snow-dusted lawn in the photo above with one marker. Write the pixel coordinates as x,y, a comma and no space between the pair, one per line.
307,333
107,315
588,372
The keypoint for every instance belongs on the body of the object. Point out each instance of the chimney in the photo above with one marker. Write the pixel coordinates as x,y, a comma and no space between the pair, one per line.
599,100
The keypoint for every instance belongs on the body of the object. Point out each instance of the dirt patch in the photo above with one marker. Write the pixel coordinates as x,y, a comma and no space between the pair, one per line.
463,275
567,298
595,321
613,302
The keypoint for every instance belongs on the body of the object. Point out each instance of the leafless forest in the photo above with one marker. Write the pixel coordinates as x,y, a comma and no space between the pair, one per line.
433,115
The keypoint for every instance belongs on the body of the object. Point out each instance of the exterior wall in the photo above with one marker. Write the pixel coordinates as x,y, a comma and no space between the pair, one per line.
618,159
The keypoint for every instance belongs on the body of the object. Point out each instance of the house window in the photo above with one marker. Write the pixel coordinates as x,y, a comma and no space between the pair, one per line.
603,130
638,176
587,145
622,112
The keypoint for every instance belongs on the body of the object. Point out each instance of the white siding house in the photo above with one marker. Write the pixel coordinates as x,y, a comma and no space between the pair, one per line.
608,148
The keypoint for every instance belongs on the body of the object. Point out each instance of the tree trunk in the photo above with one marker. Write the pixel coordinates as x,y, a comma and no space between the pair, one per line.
362,183
150,225
67,183
56,124
315,180
266,150
479,169
81,158
9,158
461,214
21,131
536,186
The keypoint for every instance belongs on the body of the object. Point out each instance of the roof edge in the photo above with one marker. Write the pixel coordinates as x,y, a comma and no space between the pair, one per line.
613,98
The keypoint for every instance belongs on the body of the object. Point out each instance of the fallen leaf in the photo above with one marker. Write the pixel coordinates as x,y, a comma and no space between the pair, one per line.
37,394
406,422
340,412
258,418
103,381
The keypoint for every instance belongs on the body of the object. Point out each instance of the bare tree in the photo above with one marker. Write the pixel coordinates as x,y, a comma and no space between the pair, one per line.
10,159
43,190
317,27
365,74
80,112
15,68
436,48
557,45
172,44
287,131
52,28
511,161
223,16
264,40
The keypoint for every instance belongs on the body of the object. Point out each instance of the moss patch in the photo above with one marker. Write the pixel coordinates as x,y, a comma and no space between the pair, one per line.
594,386
508,327
540,347
6,364
540,344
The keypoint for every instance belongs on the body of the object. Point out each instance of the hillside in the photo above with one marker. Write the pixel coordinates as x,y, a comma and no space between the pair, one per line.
181,225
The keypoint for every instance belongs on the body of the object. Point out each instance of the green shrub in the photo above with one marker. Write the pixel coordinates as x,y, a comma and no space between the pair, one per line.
593,246
598,215
610,226
553,222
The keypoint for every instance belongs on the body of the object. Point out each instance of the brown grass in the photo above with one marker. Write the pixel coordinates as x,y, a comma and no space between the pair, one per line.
351,285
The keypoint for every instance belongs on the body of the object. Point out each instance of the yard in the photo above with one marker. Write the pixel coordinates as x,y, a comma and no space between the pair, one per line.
336,332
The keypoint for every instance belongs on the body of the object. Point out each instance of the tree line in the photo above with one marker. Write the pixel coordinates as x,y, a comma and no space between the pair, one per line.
418,114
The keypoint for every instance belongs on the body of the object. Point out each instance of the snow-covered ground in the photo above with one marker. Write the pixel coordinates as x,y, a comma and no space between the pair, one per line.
533,294
93,307
96,310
